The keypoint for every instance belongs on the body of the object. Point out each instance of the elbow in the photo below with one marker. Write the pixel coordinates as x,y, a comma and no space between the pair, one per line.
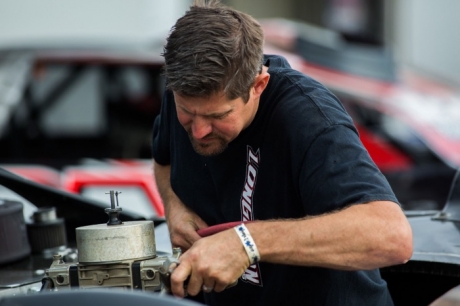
404,253
401,245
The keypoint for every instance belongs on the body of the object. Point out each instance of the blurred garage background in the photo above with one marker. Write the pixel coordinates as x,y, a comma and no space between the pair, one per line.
422,33
80,85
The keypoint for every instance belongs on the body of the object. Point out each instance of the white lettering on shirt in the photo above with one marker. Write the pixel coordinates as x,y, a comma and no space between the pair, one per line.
252,274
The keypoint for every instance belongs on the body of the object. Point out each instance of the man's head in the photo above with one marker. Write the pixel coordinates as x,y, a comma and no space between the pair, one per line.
213,49
214,66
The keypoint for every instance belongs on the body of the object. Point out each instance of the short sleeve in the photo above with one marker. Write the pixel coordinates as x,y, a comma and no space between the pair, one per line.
337,171
161,136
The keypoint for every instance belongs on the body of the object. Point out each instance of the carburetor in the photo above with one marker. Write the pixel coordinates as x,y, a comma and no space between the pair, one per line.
113,255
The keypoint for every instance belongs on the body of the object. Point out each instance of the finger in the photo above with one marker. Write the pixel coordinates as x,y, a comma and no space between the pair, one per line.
178,277
180,242
207,287
185,240
221,286
192,238
201,224
194,284
172,267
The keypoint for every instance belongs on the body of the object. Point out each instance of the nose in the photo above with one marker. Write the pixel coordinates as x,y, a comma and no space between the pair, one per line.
201,127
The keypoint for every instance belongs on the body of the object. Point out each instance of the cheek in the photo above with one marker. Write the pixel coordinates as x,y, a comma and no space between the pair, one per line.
229,128
184,119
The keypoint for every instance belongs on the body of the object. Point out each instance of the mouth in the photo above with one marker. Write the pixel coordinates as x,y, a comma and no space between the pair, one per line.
205,140
209,145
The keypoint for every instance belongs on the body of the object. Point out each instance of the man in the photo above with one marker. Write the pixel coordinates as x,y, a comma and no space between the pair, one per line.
241,137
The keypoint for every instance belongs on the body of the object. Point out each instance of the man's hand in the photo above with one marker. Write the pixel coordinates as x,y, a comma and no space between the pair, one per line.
212,263
183,224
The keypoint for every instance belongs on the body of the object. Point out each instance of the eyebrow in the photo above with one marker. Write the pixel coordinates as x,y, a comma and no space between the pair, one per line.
207,115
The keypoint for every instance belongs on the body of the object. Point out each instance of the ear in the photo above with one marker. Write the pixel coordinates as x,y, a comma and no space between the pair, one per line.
260,83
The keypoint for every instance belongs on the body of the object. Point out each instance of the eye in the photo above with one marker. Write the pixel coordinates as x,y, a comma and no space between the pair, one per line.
220,116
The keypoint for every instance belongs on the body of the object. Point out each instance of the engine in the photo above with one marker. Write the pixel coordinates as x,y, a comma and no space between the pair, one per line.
113,255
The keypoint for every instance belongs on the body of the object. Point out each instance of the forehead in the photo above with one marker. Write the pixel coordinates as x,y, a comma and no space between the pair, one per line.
214,103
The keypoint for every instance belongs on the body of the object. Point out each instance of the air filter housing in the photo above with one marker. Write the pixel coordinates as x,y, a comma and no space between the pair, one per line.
14,244
46,232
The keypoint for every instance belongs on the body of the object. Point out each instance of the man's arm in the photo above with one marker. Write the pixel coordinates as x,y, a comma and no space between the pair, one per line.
359,237
182,222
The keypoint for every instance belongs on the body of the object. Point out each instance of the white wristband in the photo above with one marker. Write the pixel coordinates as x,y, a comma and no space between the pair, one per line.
248,243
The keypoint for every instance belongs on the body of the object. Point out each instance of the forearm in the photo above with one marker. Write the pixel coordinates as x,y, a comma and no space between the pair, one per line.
162,178
359,237
182,221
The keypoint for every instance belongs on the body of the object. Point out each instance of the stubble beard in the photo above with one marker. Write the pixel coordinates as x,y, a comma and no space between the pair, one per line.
209,149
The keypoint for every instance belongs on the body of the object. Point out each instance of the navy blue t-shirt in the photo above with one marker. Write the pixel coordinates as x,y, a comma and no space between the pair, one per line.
301,156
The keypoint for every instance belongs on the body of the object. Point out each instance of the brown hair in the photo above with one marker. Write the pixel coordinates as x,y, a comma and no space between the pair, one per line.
213,48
